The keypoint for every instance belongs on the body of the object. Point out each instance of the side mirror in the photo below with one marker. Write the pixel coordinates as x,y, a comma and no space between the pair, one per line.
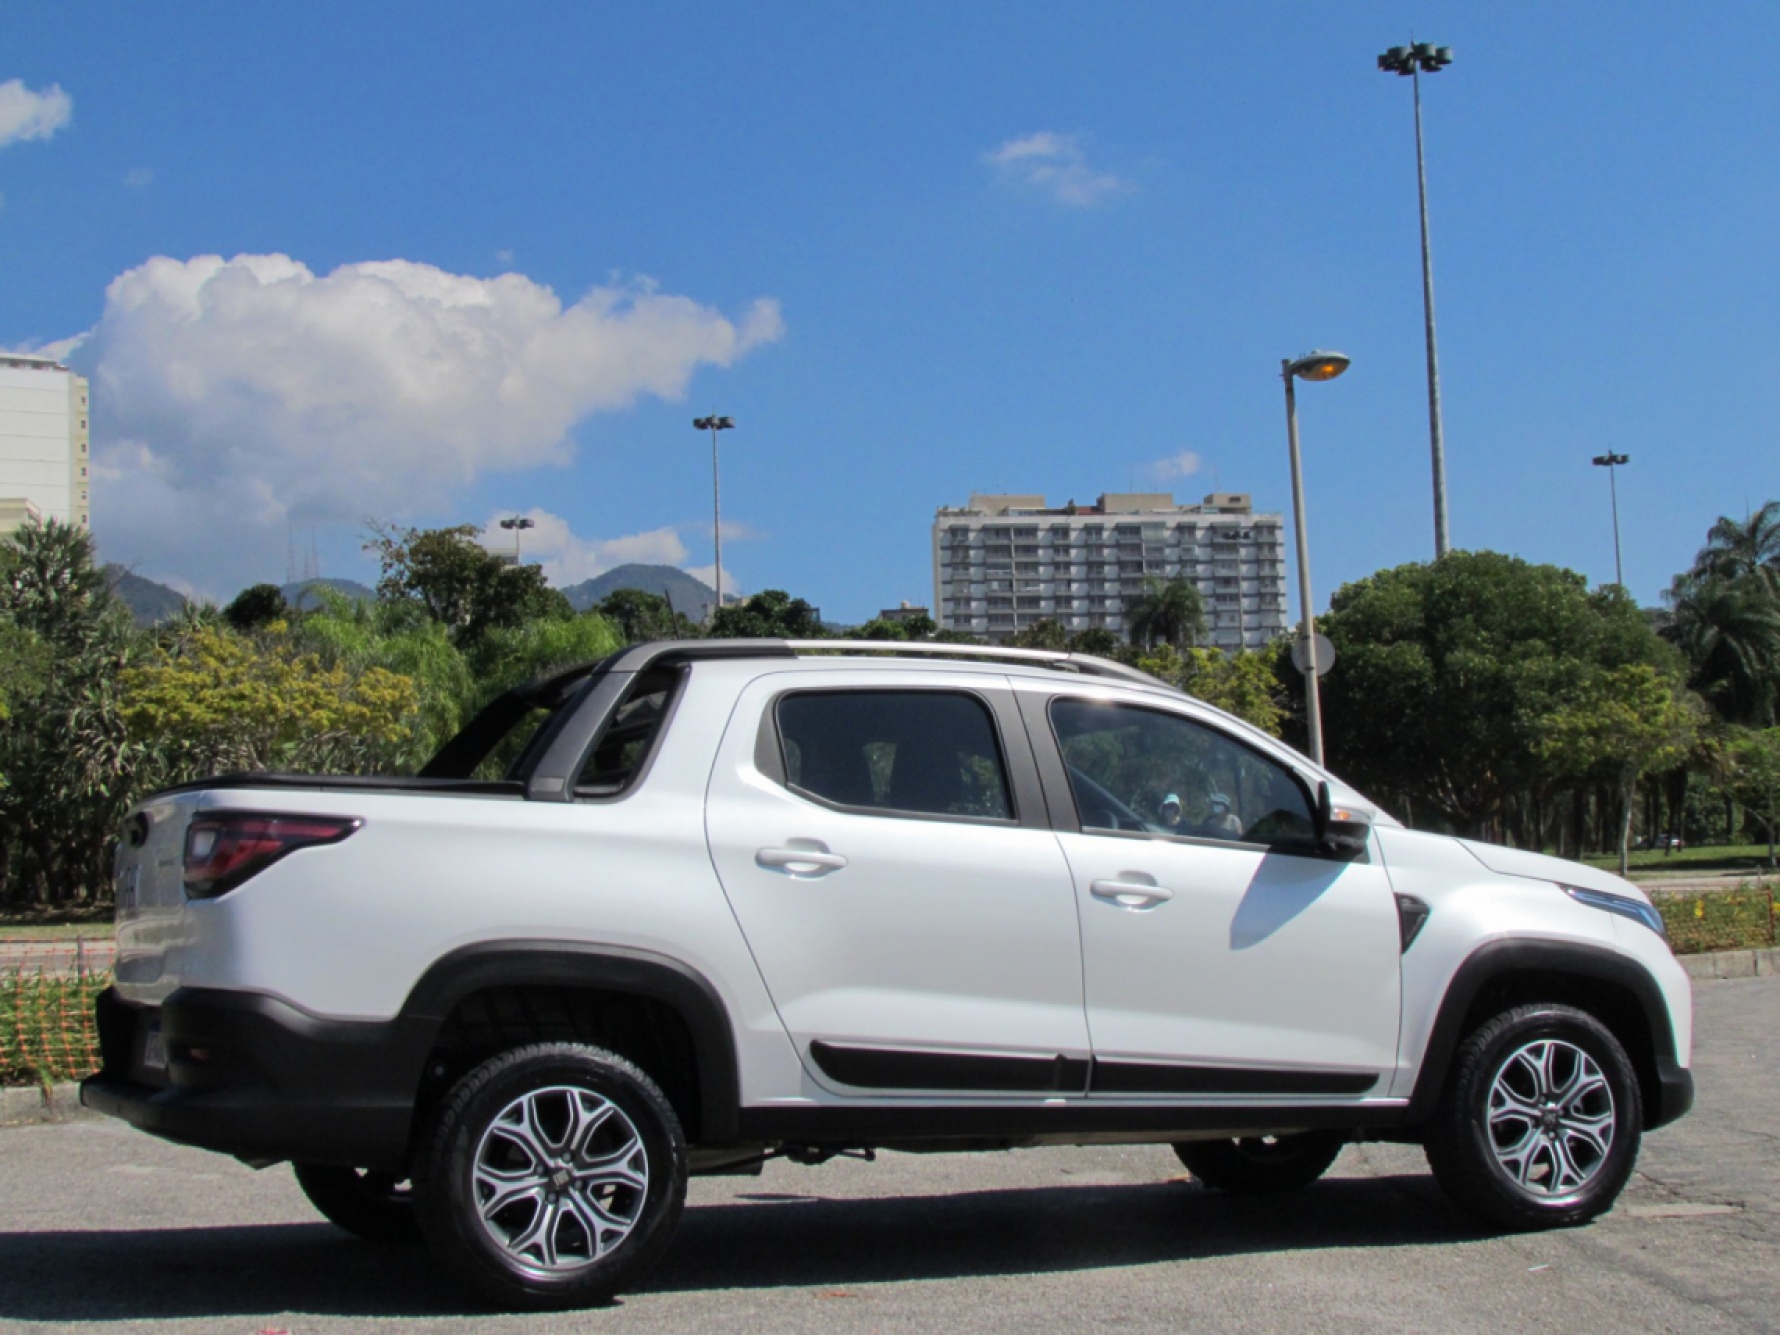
1341,831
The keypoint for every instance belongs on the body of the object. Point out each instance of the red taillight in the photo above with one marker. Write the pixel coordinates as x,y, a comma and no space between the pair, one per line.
224,848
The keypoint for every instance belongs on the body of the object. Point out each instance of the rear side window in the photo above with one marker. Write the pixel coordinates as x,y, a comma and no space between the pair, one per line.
624,747
922,752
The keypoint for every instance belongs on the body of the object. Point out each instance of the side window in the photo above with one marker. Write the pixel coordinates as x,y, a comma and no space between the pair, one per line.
927,752
1157,773
623,748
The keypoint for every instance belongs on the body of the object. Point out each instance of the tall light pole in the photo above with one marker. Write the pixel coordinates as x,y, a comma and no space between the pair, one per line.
1311,366
1611,461
1414,61
714,425
518,524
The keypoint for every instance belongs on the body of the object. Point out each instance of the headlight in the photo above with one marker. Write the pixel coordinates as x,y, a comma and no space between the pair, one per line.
1635,909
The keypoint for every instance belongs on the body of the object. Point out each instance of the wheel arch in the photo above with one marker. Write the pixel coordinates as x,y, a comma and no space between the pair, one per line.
1618,991
610,972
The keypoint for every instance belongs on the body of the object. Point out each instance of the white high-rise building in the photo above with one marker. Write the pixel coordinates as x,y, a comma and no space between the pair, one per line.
1001,563
43,442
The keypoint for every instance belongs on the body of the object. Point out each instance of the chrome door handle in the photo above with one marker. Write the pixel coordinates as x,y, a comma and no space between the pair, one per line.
800,862
1130,894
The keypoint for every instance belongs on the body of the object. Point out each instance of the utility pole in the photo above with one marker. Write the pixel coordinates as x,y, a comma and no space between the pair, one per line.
715,424
1611,462
1414,61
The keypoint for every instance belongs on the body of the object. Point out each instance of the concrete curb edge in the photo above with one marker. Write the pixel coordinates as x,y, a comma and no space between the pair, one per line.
28,1105
1732,963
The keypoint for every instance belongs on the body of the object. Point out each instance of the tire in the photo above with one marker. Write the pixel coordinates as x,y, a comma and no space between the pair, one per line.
551,1177
1540,1124
378,1207
1257,1165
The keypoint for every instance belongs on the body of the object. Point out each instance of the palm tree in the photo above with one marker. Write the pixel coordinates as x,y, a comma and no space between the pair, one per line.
1736,551
1168,612
1730,631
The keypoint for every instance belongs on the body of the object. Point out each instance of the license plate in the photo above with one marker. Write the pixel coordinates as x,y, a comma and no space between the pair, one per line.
154,1049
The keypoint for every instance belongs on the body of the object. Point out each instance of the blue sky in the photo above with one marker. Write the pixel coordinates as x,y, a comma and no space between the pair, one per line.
914,250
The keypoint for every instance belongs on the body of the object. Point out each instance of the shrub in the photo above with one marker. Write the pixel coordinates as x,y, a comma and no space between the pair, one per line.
1740,919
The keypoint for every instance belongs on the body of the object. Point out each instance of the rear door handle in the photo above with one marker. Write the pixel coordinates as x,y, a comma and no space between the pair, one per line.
1131,894
803,863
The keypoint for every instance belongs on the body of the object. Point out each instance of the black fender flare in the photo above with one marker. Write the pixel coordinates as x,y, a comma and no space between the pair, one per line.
543,963
1593,963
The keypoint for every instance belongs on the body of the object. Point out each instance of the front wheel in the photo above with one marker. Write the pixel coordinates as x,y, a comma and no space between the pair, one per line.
1541,1120
553,1176
1255,1165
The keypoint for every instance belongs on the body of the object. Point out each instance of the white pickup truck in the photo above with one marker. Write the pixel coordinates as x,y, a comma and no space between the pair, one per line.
735,900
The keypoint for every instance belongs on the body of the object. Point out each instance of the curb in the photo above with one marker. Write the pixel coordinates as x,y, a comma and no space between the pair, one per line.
32,1105
1732,964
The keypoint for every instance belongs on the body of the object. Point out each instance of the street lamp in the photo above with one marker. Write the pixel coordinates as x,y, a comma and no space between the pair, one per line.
1311,366
1610,461
519,524
714,425
1415,61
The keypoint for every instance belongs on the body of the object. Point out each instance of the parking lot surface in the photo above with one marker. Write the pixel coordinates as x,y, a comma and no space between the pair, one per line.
112,1230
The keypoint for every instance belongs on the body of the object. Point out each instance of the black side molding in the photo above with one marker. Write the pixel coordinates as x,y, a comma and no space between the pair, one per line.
885,1068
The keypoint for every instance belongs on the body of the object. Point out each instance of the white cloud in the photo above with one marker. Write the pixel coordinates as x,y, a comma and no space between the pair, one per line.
232,396
138,177
504,256
732,588
1057,165
28,115
1173,468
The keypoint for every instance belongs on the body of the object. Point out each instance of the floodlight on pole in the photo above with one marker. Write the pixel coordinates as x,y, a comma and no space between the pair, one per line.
1611,462
714,424
1414,61
1313,366
518,524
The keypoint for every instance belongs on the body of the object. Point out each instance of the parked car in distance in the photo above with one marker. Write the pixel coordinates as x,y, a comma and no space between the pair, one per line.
701,905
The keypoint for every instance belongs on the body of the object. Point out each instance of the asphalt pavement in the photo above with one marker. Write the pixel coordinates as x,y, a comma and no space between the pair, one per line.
111,1230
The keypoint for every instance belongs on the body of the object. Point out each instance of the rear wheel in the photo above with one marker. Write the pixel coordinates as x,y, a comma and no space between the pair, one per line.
1254,1165
377,1207
553,1176
1541,1120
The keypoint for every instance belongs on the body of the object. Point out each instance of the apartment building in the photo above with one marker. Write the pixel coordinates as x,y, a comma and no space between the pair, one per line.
43,442
1001,563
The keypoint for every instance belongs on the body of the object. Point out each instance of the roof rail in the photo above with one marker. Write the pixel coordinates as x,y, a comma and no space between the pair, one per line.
1088,665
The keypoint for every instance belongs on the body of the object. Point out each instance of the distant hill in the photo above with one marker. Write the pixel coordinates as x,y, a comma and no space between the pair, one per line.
149,603
294,593
690,597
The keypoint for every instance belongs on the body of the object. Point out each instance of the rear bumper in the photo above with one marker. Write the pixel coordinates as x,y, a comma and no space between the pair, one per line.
254,1076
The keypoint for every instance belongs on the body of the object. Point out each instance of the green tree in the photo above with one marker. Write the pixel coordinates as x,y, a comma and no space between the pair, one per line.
1621,724
640,616
1045,633
770,614
1166,612
217,701
1244,684
462,584
1747,550
1729,630
256,606
1445,673
1755,757
64,749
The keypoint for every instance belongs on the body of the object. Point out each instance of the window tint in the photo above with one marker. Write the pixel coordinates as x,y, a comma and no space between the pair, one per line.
932,752
629,736
1156,773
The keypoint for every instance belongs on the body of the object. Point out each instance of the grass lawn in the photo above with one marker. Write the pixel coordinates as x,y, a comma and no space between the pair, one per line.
61,925
1751,858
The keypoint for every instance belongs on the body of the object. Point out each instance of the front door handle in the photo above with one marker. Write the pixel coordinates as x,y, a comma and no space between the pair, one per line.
1131,894
804,859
